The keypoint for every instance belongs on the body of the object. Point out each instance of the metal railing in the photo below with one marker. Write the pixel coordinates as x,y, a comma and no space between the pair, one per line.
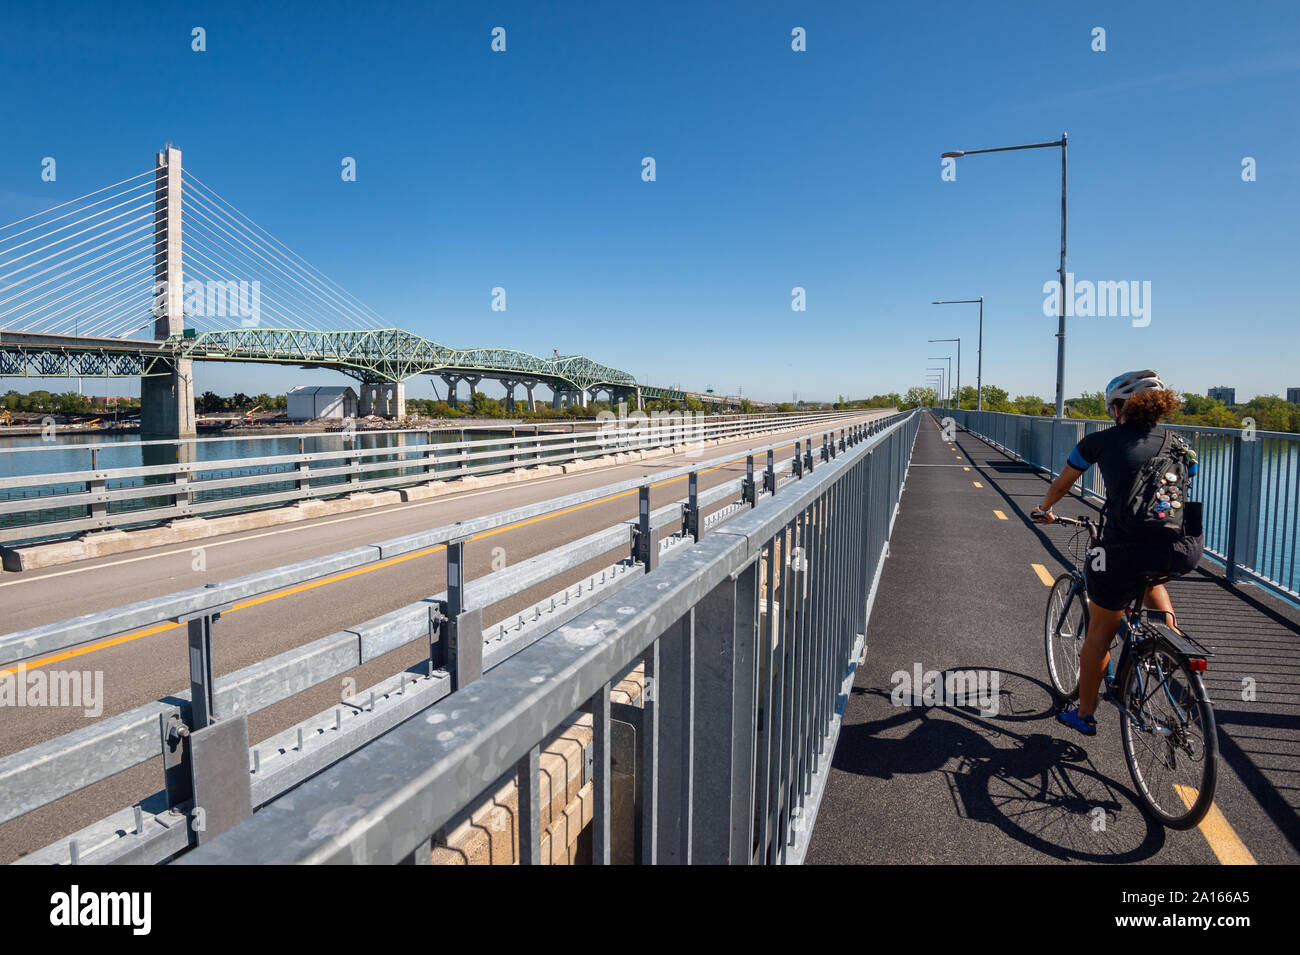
834,521
1249,482
191,477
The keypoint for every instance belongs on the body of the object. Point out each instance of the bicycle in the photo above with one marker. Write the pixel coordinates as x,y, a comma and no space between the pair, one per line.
1167,723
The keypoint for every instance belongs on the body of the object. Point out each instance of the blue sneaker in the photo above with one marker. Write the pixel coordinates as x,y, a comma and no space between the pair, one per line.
1086,725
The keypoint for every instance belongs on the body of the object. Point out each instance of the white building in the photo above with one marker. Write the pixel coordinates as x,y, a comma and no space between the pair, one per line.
321,401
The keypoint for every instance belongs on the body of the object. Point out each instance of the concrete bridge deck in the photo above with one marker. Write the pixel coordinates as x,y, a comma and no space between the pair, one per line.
962,589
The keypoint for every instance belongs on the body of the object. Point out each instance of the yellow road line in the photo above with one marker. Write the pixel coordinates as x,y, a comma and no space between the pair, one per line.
1001,516
977,484
1223,839
266,598
965,469
1043,575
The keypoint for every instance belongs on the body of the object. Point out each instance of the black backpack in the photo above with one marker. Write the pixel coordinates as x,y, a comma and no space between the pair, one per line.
1156,505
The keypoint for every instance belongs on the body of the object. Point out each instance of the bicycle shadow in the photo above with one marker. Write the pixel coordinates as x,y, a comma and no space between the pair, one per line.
1041,790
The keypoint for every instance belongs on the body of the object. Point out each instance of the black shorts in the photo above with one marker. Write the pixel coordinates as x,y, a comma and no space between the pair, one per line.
1125,562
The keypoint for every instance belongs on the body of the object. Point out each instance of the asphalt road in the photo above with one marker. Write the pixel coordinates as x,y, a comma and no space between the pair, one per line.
151,665
918,784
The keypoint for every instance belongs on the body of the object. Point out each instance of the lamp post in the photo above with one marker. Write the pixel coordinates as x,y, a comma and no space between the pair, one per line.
936,382
958,341
1063,143
979,352
948,359
943,382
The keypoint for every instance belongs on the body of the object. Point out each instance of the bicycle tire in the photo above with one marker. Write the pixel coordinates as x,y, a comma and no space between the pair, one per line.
1171,804
1063,650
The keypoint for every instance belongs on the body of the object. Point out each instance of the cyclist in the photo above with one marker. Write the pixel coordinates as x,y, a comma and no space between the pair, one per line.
1136,400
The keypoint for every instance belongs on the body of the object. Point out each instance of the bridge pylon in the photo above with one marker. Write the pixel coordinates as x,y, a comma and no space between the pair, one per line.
167,401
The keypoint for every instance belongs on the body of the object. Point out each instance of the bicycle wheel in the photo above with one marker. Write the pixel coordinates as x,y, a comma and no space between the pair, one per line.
1171,743
1064,628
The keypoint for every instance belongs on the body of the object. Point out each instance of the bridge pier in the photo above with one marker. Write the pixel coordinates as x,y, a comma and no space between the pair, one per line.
167,403
384,398
454,380
510,385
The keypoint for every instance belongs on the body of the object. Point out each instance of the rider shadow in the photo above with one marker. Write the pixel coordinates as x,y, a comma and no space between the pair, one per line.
1041,790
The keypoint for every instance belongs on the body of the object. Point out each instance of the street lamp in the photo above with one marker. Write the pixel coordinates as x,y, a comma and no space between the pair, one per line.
943,382
935,382
1063,143
979,361
958,341
948,359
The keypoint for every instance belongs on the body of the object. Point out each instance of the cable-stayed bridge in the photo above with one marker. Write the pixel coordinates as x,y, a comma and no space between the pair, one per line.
150,274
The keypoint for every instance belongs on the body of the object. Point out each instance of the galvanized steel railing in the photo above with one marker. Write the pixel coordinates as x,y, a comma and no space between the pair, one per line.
1248,480
192,730
178,484
748,641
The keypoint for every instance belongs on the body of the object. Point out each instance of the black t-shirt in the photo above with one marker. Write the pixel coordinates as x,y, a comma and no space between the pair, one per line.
1120,452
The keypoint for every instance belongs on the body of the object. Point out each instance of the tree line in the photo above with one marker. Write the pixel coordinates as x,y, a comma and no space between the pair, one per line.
1268,412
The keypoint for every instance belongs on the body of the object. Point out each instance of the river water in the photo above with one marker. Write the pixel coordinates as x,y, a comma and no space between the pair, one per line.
68,455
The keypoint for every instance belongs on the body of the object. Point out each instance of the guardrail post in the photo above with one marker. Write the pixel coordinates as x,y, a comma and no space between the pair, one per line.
808,457
180,483
353,461
691,509
645,539
202,683
747,490
302,477
205,762
769,475
841,439
796,466
96,485
462,629
826,451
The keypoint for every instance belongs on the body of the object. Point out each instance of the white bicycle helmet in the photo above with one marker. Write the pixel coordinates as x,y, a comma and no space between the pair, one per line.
1125,386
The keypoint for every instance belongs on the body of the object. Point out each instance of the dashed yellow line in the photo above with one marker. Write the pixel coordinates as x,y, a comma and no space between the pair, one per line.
1001,516
266,598
965,469
1043,575
977,484
1223,839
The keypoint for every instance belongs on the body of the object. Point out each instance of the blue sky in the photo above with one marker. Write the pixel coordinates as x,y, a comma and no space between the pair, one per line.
775,169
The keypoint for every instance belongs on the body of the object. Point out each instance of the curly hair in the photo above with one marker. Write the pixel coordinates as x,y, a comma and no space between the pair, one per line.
1146,408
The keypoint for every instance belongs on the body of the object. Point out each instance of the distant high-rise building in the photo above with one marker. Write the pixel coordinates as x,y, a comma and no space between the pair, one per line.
1225,394
1293,395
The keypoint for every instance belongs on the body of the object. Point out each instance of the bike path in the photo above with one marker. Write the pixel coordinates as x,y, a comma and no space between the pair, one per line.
946,784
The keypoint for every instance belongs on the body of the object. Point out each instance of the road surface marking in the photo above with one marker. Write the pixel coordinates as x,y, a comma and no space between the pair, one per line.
1043,575
266,598
1218,832
965,469
977,484
1001,516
